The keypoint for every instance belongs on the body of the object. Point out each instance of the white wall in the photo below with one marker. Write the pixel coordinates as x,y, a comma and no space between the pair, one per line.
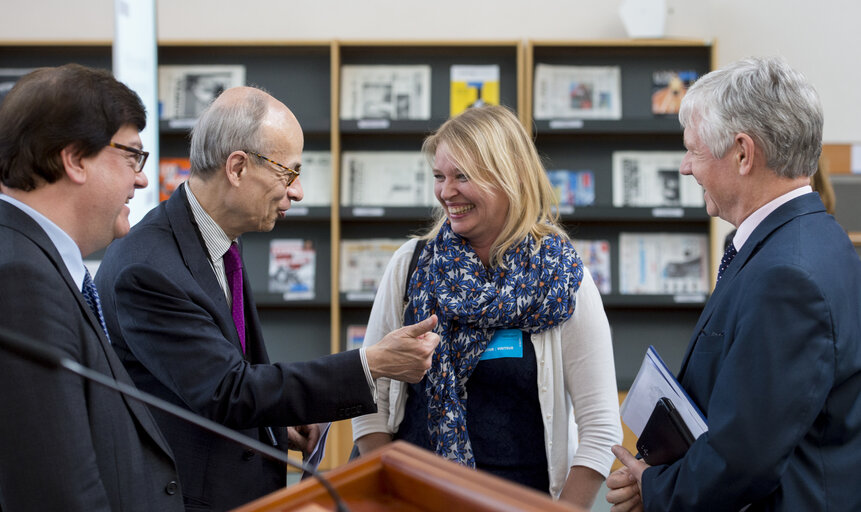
819,38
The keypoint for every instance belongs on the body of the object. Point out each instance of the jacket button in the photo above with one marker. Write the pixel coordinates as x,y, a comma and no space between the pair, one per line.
171,488
248,455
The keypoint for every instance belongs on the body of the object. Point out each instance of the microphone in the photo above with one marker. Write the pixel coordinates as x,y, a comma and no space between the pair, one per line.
49,357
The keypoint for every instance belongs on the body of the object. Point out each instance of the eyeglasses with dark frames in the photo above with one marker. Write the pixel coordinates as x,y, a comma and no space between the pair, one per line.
288,175
140,155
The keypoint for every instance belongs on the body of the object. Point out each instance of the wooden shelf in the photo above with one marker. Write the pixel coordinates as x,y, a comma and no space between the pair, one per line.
305,75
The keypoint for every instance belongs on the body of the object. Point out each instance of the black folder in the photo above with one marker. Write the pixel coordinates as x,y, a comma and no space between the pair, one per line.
665,438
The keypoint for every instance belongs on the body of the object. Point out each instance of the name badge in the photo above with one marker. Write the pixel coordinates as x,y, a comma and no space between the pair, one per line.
504,343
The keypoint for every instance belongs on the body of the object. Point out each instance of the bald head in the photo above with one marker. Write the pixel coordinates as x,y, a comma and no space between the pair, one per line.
241,118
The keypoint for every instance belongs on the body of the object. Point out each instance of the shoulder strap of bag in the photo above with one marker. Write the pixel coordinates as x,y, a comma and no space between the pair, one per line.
413,263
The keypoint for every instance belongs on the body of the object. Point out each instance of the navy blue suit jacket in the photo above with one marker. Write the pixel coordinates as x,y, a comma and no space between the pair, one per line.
170,325
775,365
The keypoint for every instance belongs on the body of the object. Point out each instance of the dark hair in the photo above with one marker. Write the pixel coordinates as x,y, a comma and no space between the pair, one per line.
52,108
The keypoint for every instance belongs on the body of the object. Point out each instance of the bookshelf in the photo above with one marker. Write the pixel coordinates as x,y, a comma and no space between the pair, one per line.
307,76
666,319
381,221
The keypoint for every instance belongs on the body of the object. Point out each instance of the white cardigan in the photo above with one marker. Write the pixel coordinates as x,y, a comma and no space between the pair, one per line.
580,368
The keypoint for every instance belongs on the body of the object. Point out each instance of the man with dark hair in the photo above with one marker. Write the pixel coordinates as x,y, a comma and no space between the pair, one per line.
774,362
70,159
182,317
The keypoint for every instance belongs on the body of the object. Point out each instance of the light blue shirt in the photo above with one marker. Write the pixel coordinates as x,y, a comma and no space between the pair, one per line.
68,249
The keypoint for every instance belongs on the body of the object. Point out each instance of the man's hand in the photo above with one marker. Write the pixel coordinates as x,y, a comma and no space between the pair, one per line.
404,354
303,438
624,484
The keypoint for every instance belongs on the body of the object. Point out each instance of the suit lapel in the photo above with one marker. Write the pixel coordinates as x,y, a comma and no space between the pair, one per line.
192,248
802,205
23,223
196,258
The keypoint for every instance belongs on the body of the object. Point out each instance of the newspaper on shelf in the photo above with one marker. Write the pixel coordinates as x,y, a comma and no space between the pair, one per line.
172,172
363,262
663,263
386,178
385,92
316,178
184,91
582,92
292,268
355,336
652,178
595,255
574,188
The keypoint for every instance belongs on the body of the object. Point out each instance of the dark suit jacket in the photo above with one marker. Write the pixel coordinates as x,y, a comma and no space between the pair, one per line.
170,324
65,443
775,365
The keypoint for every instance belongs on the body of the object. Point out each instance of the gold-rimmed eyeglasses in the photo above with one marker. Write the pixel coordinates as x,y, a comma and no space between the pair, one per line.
140,155
288,175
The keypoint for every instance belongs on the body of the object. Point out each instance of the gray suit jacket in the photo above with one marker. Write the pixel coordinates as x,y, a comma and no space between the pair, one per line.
170,325
68,444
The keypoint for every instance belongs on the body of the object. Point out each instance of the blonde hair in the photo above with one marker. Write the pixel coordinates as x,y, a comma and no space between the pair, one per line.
489,145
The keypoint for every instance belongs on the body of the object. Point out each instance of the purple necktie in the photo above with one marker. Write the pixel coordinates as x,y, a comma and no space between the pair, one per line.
233,271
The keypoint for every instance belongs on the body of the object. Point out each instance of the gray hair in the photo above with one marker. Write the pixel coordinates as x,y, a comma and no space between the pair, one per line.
765,99
225,127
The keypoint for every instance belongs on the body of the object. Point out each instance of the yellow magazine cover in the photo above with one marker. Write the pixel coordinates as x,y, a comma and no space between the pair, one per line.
472,86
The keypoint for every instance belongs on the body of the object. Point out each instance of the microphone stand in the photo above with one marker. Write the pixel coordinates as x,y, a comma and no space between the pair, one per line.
49,357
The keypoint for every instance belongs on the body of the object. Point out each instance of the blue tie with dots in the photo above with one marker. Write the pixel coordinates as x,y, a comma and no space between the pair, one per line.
728,255
91,295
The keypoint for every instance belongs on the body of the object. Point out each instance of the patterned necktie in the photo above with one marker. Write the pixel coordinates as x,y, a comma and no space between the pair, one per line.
91,295
233,271
728,255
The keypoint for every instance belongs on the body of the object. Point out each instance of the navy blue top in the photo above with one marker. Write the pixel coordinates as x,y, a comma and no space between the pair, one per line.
503,419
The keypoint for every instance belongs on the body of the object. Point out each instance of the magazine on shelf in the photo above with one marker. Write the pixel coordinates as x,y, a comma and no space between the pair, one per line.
172,172
386,178
363,262
292,267
669,87
316,178
652,178
385,92
575,188
472,86
9,77
184,91
595,254
355,336
663,263
582,92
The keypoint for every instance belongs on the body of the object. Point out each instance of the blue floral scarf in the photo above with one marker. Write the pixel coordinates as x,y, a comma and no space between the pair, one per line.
532,293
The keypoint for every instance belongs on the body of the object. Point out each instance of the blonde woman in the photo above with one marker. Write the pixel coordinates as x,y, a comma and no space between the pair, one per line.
525,344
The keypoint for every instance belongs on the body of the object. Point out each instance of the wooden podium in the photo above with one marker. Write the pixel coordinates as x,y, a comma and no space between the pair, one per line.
404,478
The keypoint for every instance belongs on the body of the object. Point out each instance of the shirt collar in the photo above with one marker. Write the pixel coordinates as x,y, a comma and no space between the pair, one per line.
749,224
216,240
68,249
